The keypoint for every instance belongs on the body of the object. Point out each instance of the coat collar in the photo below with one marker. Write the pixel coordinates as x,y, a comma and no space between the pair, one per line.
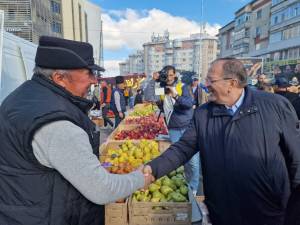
83,104
248,107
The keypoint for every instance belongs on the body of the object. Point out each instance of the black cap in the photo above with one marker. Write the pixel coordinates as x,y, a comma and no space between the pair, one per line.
119,80
282,82
58,53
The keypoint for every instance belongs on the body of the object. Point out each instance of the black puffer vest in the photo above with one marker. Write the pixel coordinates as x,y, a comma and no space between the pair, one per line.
30,193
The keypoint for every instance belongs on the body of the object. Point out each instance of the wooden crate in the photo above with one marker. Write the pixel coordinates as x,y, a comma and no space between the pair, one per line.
98,121
161,213
120,128
116,213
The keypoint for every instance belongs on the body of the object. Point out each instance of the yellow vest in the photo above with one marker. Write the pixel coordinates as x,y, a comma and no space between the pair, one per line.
178,88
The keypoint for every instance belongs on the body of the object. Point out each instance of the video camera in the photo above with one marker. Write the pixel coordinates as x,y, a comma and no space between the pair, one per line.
163,77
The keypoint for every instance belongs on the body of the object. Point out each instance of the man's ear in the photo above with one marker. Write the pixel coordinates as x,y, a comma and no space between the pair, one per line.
59,79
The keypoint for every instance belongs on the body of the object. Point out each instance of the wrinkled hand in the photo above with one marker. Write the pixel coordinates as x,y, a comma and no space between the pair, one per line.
148,177
121,115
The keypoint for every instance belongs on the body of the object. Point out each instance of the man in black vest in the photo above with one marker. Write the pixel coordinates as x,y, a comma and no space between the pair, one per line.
49,168
118,101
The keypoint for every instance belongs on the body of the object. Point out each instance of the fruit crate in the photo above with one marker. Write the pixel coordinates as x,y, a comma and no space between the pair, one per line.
98,121
116,213
162,146
160,213
120,128
135,127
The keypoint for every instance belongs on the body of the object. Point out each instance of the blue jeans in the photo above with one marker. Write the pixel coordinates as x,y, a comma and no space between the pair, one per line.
192,167
131,102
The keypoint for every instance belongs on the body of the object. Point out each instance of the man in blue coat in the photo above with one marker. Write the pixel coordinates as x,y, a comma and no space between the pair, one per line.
249,143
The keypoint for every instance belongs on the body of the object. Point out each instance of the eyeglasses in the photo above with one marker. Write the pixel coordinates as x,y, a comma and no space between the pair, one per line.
209,81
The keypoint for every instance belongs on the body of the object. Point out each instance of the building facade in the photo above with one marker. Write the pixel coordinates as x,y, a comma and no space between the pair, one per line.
82,22
266,29
193,54
29,19
124,68
94,30
248,33
74,20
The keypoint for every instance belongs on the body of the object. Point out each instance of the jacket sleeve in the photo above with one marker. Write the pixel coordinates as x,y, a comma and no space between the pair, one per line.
291,142
177,154
185,101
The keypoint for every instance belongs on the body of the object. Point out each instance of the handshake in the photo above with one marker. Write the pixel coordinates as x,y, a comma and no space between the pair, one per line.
148,177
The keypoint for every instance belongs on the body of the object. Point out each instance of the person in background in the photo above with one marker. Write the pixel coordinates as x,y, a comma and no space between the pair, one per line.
283,88
261,81
249,144
50,171
288,72
139,97
118,102
131,98
178,111
149,92
199,95
126,95
105,99
297,71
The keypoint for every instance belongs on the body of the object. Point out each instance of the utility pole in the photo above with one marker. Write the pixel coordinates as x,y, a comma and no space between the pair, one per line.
200,43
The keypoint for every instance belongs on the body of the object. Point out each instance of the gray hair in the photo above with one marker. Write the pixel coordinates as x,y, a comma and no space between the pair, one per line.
48,72
234,68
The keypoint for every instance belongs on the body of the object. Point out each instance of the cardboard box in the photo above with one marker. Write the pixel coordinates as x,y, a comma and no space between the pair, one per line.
116,213
160,213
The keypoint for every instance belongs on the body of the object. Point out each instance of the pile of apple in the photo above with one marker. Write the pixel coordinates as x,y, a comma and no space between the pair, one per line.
144,110
130,156
171,188
149,128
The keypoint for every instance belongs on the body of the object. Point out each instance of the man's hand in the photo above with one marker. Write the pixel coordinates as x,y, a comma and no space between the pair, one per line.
102,105
121,115
148,177
147,169
155,76
172,91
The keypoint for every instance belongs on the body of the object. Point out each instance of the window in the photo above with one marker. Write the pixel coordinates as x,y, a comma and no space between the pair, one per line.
258,31
286,14
56,27
275,37
275,2
258,14
55,7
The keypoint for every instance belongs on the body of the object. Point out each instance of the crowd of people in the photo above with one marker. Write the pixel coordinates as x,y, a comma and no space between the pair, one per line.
285,84
246,141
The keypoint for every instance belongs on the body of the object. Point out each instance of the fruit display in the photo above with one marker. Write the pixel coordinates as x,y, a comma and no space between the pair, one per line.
171,188
145,131
128,156
144,110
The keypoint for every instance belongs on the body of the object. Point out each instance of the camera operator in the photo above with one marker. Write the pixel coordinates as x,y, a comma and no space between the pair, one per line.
178,110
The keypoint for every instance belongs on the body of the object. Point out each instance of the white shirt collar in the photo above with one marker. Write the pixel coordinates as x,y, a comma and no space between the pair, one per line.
238,103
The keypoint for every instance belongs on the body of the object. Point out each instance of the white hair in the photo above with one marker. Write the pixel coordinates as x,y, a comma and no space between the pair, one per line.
48,72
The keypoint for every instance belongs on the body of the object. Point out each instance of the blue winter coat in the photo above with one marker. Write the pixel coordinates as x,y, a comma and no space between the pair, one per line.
250,162
183,110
